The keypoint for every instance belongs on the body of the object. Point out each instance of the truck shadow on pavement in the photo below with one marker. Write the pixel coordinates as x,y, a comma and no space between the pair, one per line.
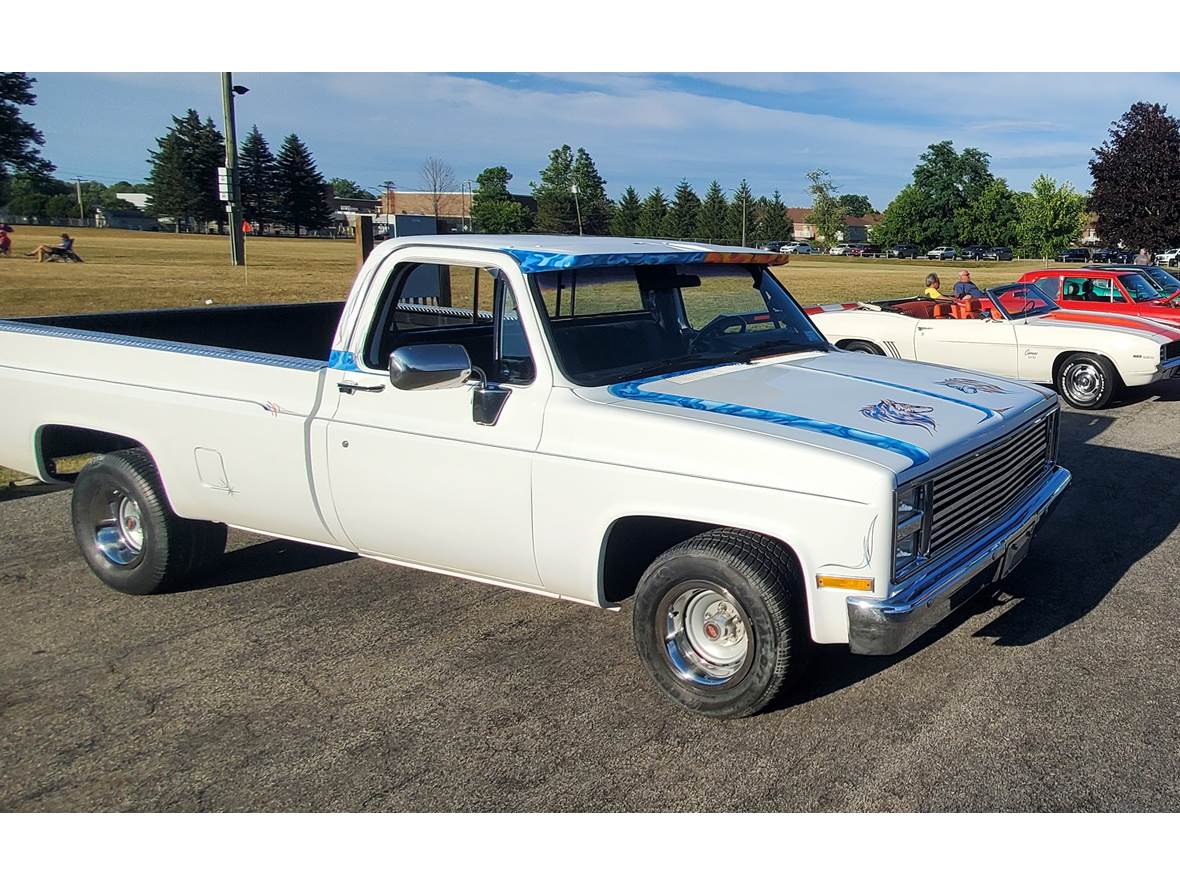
1120,506
269,559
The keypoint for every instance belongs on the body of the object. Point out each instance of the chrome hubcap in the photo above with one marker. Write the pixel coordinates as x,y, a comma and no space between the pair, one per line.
706,633
1083,382
118,528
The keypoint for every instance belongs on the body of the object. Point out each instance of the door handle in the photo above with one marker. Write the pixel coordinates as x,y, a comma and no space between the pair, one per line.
925,328
351,388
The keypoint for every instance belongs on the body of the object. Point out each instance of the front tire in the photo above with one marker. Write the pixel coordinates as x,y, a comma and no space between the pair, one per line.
719,622
127,532
1087,381
861,347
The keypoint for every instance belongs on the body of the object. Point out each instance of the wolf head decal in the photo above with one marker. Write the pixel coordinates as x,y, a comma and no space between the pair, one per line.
902,413
970,385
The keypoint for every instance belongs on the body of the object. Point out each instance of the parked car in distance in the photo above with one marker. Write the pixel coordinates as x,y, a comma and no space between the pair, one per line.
902,250
841,249
941,253
1111,255
1168,284
775,246
1170,257
797,248
1106,291
519,392
997,253
864,250
972,253
1015,331
1074,254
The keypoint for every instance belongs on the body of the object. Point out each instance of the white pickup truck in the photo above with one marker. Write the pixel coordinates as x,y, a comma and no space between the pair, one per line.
590,419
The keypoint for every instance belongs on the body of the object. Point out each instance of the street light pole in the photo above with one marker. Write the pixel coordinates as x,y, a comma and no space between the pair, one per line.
577,207
237,242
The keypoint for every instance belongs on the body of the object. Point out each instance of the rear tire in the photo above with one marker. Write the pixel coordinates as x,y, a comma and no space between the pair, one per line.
861,347
720,623
1087,381
127,532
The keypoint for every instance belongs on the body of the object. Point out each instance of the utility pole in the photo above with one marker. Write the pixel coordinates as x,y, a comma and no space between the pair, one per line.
81,208
577,208
744,201
467,205
232,193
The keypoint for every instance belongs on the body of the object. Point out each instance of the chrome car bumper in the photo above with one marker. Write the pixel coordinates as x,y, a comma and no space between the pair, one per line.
886,626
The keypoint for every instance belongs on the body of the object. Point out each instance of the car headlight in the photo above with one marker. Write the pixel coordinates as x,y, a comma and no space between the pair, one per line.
910,535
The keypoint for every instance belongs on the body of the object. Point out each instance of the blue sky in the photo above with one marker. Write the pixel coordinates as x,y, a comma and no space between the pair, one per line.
642,129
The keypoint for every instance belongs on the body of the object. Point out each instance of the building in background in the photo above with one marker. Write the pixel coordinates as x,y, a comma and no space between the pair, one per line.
856,227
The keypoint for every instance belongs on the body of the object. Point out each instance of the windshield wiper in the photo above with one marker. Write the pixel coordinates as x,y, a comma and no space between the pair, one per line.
687,361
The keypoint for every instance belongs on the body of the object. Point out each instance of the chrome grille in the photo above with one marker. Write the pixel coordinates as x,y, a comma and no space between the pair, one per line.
972,491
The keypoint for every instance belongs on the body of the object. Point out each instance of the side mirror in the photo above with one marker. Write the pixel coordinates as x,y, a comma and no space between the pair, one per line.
429,367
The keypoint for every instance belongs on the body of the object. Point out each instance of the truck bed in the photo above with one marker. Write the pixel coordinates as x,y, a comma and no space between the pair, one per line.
295,330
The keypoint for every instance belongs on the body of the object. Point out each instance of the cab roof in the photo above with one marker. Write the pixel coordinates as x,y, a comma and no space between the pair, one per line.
539,252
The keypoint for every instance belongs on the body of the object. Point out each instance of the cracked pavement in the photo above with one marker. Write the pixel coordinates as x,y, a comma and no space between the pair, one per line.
303,679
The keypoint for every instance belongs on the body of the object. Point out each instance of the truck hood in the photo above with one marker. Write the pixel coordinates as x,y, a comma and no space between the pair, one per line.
906,416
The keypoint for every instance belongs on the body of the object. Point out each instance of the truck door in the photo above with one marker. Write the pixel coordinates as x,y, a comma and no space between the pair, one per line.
414,477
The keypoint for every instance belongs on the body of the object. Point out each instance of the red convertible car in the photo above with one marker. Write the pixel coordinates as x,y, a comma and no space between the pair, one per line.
1104,290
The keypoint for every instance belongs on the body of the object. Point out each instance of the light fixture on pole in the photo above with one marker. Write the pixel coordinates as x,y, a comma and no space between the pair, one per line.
577,207
227,176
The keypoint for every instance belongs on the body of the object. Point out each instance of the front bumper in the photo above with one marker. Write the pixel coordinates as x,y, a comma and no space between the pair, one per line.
886,626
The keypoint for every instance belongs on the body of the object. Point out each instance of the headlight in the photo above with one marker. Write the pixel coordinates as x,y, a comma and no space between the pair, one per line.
909,533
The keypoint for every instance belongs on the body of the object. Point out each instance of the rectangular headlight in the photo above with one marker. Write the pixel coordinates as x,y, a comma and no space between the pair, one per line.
911,517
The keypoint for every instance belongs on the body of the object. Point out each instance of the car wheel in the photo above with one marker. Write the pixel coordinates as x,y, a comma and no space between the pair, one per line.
719,622
1087,381
861,347
128,535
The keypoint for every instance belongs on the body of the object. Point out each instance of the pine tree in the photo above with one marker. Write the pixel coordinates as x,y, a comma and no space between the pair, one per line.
593,202
555,202
711,219
256,173
183,179
625,222
20,141
681,222
741,215
300,188
777,226
652,214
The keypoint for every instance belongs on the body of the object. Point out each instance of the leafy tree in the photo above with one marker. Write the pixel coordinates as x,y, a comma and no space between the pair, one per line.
347,189
1136,174
300,188
61,206
776,224
592,199
713,215
827,214
906,219
856,205
493,211
949,181
1051,217
20,141
625,221
439,178
991,218
653,214
740,223
681,221
555,202
257,169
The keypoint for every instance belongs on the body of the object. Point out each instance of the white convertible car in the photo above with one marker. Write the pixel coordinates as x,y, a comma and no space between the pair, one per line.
1017,332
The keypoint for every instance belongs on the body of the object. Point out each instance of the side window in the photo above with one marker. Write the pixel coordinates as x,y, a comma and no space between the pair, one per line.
515,361
1048,285
567,293
1085,289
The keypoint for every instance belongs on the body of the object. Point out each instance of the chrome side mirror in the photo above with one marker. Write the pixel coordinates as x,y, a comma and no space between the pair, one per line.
429,367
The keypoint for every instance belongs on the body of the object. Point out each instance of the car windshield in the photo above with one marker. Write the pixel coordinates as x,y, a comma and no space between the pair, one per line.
1168,282
611,324
1140,287
1021,301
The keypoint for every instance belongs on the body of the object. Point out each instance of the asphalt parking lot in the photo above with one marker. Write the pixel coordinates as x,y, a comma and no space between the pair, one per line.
301,679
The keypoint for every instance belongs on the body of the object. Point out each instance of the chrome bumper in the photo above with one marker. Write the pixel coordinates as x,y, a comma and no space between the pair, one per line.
886,626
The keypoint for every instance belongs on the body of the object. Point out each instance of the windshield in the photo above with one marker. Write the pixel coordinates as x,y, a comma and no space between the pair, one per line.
1168,282
1020,301
1140,287
611,324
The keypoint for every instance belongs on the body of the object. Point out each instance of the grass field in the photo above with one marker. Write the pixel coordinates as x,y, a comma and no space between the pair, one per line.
128,269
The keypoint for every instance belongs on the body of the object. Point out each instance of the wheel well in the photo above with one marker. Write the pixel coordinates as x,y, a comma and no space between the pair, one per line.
63,450
1062,357
633,542
843,341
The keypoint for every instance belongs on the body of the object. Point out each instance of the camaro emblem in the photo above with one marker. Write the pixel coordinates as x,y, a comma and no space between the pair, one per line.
970,385
902,413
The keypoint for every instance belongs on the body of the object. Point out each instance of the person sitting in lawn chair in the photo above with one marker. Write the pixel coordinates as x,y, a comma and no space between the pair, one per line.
5,241
63,251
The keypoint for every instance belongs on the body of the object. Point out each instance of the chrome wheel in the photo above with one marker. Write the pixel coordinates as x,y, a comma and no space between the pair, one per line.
118,528
1082,383
707,634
